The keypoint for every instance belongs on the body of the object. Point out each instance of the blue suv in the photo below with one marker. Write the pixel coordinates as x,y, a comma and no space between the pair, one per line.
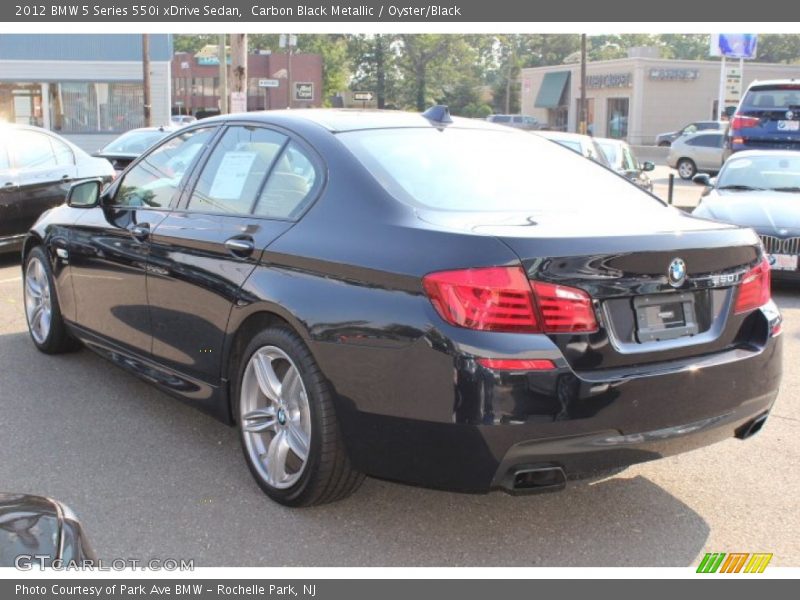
768,117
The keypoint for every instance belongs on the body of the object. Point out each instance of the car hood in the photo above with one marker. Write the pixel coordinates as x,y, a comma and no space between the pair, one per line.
765,211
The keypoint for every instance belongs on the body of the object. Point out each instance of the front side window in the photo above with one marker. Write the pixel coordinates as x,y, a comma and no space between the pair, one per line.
157,178
34,151
236,169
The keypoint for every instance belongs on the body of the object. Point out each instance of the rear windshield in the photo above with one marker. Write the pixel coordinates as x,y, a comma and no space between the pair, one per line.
480,170
776,96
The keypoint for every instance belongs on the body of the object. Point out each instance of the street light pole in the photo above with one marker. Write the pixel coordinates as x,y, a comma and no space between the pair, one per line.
223,75
148,121
583,127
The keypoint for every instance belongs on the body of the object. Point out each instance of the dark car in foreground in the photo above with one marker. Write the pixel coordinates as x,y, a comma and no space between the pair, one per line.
36,170
40,532
768,117
760,189
123,150
666,139
437,301
622,159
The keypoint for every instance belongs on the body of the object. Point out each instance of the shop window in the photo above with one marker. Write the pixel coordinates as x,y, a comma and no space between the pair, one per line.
617,118
84,107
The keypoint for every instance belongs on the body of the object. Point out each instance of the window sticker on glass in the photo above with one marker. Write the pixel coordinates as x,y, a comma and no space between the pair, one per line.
232,175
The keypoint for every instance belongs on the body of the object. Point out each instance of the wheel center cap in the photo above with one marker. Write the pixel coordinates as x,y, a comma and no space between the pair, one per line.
281,416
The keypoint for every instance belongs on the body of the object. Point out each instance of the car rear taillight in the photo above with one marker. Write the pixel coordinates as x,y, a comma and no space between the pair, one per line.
503,299
489,299
564,309
754,290
743,122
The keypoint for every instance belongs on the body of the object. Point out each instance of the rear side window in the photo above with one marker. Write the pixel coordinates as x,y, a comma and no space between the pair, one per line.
778,96
706,141
289,187
34,151
231,180
64,154
501,119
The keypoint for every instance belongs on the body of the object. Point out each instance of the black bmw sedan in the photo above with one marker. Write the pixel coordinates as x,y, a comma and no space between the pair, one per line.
760,189
437,301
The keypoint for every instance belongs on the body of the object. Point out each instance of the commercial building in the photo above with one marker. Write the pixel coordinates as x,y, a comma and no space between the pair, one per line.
87,88
638,97
294,82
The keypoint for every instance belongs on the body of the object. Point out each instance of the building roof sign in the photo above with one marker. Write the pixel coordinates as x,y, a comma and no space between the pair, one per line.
662,74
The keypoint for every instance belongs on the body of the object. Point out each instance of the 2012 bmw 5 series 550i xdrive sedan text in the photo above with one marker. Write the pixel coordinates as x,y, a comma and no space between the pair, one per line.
431,300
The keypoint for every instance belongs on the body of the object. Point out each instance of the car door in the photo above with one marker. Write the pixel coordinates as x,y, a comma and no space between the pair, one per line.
9,198
109,244
44,176
248,192
702,150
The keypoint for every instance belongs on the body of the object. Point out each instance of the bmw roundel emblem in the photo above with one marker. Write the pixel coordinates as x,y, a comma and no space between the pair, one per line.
676,274
789,115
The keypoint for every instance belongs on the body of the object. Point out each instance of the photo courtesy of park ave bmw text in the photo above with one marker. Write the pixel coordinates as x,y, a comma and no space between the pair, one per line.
321,293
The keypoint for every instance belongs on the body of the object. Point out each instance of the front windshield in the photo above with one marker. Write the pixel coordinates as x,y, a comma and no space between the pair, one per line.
765,172
488,170
134,142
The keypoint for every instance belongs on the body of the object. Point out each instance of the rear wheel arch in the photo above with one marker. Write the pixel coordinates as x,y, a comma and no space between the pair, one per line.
251,326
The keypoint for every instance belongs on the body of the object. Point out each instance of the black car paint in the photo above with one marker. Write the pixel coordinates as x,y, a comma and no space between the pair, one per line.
36,531
411,400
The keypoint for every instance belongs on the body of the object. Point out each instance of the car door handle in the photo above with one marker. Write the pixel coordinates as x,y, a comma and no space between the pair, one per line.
140,232
65,178
240,246
10,185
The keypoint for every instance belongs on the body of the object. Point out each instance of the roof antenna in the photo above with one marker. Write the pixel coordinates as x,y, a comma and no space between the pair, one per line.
438,114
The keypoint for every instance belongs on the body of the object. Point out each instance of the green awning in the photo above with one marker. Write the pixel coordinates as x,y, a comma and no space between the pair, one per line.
552,89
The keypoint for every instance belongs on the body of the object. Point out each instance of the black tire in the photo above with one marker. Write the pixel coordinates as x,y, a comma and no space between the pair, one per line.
686,168
328,475
58,339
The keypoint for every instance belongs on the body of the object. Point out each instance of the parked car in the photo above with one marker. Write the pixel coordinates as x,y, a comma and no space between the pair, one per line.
768,117
622,159
760,189
358,296
36,170
123,150
582,144
517,121
181,120
696,152
35,531
666,139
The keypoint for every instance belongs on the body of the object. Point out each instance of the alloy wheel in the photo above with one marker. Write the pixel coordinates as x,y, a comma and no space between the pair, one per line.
38,303
275,417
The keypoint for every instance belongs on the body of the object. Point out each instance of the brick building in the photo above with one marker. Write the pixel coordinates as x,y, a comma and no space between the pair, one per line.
195,81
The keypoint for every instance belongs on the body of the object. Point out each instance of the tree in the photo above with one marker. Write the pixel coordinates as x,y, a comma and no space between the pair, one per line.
373,64
192,43
333,48
779,48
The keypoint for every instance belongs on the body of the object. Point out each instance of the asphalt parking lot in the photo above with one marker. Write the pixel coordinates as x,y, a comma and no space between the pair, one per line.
153,478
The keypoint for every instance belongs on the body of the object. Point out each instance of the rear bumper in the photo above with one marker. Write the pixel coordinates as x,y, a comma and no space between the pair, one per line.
581,423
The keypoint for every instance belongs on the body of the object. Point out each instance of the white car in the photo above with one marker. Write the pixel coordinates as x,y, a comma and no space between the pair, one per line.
697,152
37,168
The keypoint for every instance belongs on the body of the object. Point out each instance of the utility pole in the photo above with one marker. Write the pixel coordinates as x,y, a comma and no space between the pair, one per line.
583,126
510,75
239,65
223,75
148,121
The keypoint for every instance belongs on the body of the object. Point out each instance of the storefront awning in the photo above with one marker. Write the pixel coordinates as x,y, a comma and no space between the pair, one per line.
552,89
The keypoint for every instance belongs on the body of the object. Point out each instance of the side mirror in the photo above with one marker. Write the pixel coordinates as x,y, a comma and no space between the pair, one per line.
648,166
85,194
702,179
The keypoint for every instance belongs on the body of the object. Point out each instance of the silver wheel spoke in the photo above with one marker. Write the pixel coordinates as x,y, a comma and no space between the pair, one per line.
276,458
267,378
289,386
38,307
297,440
259,420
